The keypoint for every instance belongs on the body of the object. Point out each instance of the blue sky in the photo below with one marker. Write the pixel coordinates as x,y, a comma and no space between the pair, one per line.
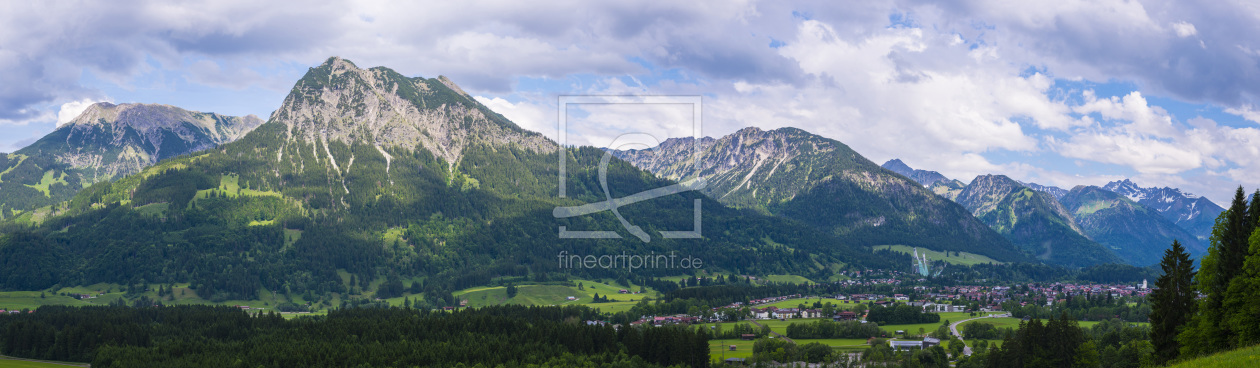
1056,92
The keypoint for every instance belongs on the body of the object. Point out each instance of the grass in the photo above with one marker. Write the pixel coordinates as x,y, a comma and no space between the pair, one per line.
21,158
1092,207
557,295
836,343
9,363
720,350
47,181
788,279
229,186
291,236
1245,357
153,209
809,303
963,258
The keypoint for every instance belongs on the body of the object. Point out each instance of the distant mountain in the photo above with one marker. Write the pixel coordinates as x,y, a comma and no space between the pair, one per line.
105,142
370,173
822,182
1135,232
927,178
948,189
1052,190
1033,220
1193,213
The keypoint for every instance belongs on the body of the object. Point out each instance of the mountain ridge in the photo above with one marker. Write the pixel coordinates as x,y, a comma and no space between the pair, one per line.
107,141
329,186
1032,219
799,175
1195,214
924,177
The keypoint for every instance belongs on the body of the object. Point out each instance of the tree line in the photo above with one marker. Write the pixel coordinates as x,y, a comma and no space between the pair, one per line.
205,336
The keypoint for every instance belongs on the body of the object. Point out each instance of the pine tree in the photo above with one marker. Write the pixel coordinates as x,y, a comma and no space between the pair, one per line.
1172,302
1209,331
1253,213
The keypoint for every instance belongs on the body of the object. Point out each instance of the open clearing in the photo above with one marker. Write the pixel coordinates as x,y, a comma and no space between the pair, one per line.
958,258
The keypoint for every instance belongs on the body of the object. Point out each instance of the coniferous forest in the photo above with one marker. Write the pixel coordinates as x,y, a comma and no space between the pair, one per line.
205,336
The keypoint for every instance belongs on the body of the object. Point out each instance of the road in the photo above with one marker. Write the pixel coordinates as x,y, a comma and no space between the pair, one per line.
953,328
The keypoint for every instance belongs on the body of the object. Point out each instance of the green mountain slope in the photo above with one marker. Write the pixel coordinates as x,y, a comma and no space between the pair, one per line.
1136,233
107,142
822,182
1033,220
386,177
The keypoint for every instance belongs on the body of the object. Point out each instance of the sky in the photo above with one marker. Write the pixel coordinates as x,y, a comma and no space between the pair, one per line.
1059,92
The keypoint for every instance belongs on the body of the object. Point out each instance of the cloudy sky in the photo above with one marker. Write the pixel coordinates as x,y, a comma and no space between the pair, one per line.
1058,92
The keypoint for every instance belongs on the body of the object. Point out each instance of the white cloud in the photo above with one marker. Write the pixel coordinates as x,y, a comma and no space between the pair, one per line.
72,109
1146,155
532,116
1248,112
1184,29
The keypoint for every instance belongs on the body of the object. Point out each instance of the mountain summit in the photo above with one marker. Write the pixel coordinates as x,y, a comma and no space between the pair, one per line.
373,174
109,141
1191,212
338,101
1033,220
927,178
820,181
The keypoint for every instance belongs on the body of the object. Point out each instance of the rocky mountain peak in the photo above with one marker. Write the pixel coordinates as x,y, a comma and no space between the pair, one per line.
897,166
924,177
986,191
338,101
1194,213
151,120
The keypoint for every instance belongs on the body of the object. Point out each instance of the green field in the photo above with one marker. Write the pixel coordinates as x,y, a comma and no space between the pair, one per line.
558,295
1013,323
719,350
809,303
1245,357
10,363
47,181
963,258
846,344
229,186
794,279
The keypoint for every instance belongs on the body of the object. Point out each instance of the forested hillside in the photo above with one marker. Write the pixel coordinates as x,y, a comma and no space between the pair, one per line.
818,181
420,181
107,142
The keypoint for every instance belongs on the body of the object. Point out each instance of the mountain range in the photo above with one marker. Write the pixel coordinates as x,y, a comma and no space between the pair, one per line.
366,175
792,173
1134,223
1194,213
363,177
105,142
1034,220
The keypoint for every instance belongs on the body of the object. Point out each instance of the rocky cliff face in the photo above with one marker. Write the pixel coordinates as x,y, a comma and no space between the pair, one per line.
339,102
106,142
1193,213
111,141
793,173
1135,232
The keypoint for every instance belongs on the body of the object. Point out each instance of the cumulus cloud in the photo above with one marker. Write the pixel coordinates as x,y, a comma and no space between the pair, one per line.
1247,111
947,85
72,109
538,117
